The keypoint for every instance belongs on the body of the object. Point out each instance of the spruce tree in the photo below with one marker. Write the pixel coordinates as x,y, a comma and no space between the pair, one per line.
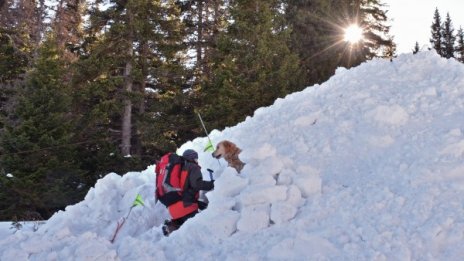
449,38
377,41
416,48
460,45
317,34
21,30
437,38
13,62
203,21
36,145
68,26
254,65
131,46
313,38
14,43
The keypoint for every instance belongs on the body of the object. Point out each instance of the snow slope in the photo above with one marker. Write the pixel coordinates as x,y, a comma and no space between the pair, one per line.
367,166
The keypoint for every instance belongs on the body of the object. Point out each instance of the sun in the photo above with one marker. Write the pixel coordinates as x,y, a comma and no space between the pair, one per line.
353,34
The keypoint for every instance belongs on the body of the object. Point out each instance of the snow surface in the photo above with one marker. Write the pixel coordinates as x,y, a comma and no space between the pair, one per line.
367,166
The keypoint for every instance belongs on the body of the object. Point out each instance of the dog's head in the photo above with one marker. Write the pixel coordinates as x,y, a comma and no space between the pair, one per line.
223,148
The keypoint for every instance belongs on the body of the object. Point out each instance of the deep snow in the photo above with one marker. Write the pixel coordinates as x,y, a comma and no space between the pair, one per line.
367,166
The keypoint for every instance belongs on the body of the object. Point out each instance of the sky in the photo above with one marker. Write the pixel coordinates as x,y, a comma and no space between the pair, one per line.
366,166
412,20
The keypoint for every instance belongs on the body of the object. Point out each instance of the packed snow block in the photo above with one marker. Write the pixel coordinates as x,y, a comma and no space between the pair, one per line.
222,203
307,179
223,171
254,218
294,196
224,225
282,212
266,172
264,151
262,180
262,194
272,165
285,177
229,185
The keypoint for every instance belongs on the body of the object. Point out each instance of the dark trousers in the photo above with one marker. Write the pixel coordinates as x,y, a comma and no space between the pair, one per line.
178,222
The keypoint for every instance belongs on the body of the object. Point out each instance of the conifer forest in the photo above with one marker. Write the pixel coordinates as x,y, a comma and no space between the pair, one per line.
89,87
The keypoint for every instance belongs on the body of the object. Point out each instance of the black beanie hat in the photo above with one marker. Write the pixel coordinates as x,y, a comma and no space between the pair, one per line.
190,155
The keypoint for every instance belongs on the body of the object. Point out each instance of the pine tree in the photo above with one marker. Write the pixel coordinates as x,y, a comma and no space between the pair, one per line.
373,20
437,38
36,144
130,46
317,34
164,71
254,65
21,31
14,55
460,45
449,38
68,26
203,21
313,38
13,62
389,51
416,48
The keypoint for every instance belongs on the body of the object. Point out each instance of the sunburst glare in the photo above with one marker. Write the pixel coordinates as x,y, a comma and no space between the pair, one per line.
353,34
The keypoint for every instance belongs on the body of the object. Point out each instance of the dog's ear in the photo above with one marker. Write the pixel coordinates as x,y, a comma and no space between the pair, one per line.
229,145
226,144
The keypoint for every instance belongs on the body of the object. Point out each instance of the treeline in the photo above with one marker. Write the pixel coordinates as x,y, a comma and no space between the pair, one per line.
92,87
444,40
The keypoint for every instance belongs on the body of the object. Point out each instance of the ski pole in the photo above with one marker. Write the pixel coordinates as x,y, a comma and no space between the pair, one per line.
119,225
137,202
210,174
206,131
204,127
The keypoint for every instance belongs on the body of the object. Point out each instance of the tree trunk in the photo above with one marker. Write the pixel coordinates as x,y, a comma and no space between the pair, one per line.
200,37
127,115
143,85
141,105
39,29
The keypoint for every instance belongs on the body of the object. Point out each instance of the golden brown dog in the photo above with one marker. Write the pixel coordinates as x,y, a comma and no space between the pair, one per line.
229,151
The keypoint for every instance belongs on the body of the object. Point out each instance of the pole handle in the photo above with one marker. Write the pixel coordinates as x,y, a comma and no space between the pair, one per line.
210,174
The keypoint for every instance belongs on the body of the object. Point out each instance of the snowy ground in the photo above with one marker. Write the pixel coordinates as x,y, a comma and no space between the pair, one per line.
5,229
9,228
367,166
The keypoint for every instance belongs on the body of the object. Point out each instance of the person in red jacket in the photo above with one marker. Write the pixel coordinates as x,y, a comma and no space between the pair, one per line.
189,205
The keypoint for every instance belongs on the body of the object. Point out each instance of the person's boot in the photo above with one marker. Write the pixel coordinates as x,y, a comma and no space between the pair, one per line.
202,205
169,227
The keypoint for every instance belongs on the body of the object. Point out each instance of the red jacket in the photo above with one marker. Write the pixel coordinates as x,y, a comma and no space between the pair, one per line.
192,187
